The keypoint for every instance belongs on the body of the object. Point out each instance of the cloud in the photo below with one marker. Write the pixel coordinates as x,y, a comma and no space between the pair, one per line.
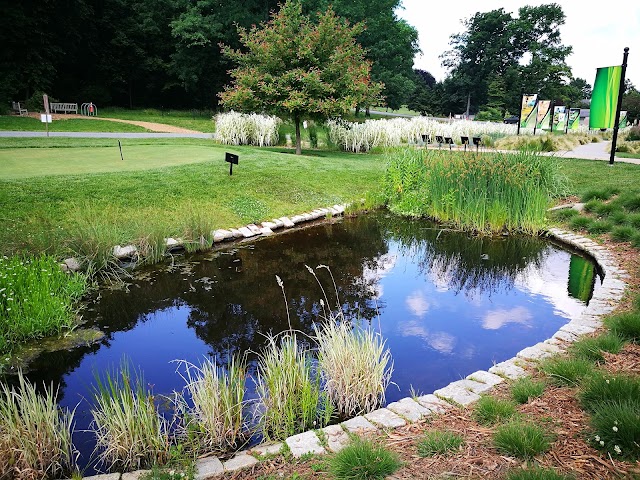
443,342
496,319
417,303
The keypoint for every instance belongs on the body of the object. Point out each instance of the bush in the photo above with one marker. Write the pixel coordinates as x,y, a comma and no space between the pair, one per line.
591,348
489,410
566,371
363,460
625,325
525,388
522,439
437,442
35,103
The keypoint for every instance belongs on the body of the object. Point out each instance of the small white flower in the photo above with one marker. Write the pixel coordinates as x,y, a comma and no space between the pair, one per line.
602,443
615,429
607,381
597,438
617,449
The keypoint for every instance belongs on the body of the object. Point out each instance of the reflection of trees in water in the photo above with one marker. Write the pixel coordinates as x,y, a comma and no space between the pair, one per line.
475,265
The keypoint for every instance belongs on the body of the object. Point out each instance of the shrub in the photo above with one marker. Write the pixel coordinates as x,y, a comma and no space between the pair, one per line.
616,428
288,390
489,410
591,348
622,233
355,366
525,388
35,435
522,439
566,371
536,473
130,434
438,442
363,460
603,388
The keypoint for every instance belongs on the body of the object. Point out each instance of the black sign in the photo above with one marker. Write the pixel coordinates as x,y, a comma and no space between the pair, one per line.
232,159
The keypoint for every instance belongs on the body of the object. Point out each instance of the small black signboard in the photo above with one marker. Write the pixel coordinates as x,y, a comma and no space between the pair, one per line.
232,159
477,141
465,142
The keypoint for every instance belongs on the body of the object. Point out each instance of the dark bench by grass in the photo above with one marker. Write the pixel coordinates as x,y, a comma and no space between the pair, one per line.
57,107
19,109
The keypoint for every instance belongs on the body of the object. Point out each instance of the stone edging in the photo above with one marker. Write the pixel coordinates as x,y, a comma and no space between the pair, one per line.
456,394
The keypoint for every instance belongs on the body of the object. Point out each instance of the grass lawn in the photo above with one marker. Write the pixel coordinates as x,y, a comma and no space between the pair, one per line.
53,199
28,124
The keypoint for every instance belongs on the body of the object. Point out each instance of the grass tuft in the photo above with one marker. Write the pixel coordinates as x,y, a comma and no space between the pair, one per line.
623,233
580,223
536,473
616,428
625,325
599,194
490,410
522,439
363,460
35,435
591,348
524,389
566,371
603,388
438,442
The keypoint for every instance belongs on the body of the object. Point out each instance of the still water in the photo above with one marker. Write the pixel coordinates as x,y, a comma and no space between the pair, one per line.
446,303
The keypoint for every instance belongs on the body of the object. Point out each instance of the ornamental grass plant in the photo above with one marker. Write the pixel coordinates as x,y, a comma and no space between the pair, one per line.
486,193
522,439
363,460
438,442
525,388
491,410
35,434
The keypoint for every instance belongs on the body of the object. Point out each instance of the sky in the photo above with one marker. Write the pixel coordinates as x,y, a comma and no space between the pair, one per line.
598,32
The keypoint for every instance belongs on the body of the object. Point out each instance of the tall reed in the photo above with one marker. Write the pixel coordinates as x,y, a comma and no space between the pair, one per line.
35,435
36,299
354,365
215,420
487,193
130,433
288,389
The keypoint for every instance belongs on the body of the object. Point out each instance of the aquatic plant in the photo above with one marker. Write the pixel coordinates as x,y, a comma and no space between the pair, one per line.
35,434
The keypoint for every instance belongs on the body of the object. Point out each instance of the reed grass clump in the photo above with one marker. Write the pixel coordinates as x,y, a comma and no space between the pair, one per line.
234,128
36,299
130,433
289,389
215,421
486,193
35,435
355,367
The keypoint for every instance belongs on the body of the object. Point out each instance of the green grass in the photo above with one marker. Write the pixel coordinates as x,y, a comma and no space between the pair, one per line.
436,442
536,473
37,299
565,371
591,348
522,439
363,460
490,410
616,428
197,120
525,388
13,123
604,388
625,325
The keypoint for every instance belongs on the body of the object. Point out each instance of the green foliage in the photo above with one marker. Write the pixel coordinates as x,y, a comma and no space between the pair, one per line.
490,410
525,388
633,134
437,442
522,439
591,348
249,209
35,435
536,473
565,214
292,67
485,193
363,460
630,201
566,371
599,194
598,226
622,233
37,299
616,428
580,223
489,115
625,325
604,388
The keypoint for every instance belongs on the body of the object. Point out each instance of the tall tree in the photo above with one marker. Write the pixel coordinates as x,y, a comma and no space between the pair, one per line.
292,67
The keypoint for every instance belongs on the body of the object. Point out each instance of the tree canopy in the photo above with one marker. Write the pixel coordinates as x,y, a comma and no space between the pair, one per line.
294,67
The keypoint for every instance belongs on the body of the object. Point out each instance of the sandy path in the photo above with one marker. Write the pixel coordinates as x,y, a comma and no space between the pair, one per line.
154,127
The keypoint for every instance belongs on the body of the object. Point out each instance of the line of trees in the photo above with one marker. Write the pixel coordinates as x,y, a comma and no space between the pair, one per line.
167,53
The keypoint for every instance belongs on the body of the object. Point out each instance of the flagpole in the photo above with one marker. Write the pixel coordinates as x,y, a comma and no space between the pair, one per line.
614,141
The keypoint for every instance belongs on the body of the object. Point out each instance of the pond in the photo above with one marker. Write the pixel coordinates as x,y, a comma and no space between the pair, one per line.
446,303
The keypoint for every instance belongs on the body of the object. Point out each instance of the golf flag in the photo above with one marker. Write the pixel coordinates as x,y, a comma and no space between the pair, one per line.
574,118
559,118
544,116
624,119
528,110
604,99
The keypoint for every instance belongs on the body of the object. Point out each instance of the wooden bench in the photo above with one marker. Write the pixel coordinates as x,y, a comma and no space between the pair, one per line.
17,108
57,107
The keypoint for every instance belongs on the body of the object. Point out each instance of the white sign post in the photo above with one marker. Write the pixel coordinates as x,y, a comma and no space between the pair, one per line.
46,118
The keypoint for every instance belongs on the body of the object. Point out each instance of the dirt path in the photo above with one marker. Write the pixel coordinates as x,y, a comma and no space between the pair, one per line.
152,126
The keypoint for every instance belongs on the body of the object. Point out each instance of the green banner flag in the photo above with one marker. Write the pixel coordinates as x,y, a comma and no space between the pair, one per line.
544,115
559,119
528,110
624,119
574,118
604,99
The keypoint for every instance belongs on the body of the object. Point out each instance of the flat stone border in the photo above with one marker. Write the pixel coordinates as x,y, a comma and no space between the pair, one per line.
457,394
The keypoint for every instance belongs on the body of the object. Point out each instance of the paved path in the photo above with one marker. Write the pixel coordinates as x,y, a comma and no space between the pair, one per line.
594,151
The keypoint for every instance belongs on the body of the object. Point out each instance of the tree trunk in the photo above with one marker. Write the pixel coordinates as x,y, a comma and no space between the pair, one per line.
357,110
367,113
296,120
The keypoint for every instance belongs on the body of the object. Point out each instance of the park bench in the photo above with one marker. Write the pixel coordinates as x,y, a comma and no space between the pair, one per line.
17,108
57,107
